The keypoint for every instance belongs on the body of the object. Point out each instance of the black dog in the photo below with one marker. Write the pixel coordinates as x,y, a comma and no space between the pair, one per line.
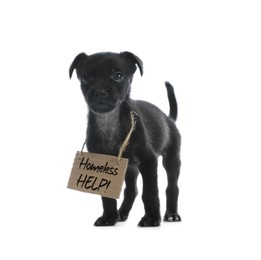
105,82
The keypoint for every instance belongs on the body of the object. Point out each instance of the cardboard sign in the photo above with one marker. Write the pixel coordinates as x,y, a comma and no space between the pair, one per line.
98,173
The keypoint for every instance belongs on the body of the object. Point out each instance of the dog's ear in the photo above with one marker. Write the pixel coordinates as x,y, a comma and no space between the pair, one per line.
77,63
135,60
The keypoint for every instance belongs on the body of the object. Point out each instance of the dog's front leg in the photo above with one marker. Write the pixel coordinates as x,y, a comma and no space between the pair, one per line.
130,192
110,213
150,195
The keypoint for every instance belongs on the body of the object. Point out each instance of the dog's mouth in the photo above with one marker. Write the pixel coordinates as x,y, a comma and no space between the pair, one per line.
102,107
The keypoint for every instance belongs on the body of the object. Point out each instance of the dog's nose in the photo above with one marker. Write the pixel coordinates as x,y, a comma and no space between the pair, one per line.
101,93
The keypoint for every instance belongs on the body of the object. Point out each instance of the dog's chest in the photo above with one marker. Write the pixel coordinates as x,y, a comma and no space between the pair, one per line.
108,127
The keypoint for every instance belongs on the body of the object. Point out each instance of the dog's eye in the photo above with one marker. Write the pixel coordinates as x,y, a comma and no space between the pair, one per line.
118,77
86,79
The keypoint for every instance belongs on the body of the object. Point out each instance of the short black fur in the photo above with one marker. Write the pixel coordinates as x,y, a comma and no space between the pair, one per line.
105,82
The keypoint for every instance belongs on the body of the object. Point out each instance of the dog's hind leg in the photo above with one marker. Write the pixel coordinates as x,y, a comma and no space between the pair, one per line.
171,163
130,192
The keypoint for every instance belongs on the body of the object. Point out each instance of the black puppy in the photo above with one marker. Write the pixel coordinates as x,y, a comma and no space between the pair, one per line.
105,82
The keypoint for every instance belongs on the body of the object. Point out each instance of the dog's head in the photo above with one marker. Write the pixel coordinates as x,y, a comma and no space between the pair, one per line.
105,78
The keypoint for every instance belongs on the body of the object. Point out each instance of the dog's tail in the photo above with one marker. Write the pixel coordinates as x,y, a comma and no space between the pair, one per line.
173,106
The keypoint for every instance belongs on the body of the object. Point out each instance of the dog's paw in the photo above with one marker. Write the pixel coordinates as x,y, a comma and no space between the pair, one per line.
172,217
106,221
122,217
149,222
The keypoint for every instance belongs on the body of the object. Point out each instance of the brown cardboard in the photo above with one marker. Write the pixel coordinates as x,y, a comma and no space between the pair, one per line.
98,174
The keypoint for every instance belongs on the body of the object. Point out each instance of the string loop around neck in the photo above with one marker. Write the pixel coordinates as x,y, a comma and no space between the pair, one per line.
125,143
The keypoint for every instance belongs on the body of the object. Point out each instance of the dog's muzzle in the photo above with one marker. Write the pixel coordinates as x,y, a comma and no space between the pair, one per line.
101,101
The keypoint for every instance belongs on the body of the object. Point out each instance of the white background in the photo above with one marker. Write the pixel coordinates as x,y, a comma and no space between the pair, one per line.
209,50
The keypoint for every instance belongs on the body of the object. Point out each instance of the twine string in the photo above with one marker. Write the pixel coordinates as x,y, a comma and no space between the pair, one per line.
127,139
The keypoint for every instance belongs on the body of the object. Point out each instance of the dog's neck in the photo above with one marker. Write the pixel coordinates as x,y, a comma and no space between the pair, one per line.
108,124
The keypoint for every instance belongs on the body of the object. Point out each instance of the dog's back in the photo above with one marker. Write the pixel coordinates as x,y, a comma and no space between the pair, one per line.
157,126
